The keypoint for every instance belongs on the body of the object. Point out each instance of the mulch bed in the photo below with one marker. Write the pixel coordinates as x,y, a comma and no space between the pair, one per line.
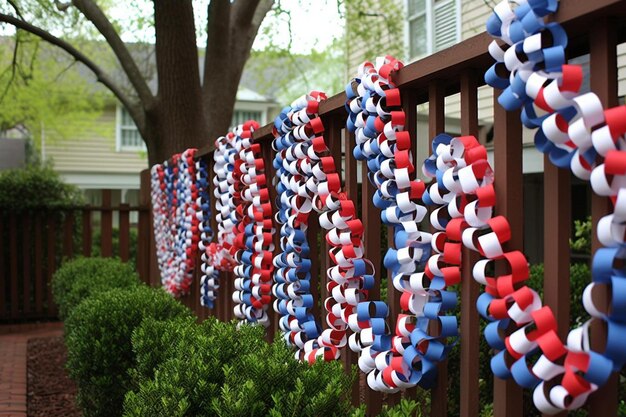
51,393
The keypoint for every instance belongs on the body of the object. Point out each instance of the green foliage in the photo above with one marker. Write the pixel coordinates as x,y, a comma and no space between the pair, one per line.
373,27
36,188
133,239
98,339
582,236
580,276
80,278
405,408
41,93
219,369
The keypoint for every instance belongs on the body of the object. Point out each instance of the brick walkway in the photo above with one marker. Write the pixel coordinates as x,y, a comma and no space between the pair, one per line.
13,344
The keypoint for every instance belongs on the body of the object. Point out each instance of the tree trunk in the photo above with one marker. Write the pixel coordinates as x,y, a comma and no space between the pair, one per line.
177,121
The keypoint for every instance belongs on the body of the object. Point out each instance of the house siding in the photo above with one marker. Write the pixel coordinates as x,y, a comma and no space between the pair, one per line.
93,150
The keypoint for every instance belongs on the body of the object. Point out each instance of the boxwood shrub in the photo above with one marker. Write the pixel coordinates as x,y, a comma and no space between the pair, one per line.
79,278
219,369
98,339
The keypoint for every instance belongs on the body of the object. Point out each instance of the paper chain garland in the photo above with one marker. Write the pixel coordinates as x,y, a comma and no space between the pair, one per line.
209,282
410,355
307,182
255,230
574,131
222,252
174,198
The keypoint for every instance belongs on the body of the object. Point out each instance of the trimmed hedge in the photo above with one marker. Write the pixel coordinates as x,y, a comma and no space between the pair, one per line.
36,187
98,339
80,278
217,369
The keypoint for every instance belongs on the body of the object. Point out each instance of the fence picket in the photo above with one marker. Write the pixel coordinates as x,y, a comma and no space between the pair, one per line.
39,256
13,261
51,235
87,235
106,225
26,259
3,274
124,232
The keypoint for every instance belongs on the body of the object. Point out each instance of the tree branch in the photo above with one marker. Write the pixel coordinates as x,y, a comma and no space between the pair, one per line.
134,110
17,10
243,11
95,15
13,68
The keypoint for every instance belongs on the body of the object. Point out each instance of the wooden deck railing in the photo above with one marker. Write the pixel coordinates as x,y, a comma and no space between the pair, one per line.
28,260
594,27
33,244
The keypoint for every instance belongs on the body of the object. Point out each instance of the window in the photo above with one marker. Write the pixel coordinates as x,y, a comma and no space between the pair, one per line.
127,137
240,116
433,25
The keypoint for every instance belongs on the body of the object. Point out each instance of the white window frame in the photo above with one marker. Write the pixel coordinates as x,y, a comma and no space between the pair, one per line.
252,107
118,133
429,12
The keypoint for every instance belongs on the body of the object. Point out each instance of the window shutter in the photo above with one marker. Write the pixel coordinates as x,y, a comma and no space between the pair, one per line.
444,25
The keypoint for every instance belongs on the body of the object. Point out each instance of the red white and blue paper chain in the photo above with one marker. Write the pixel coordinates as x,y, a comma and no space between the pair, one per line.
253,283
309,182
221,253
209,282
409,356
292,277
575,131
174,199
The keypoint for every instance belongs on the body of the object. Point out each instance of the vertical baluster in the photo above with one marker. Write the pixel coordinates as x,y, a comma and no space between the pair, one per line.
351,358
603,58
470,337
508,166
371,219
3,274
436,125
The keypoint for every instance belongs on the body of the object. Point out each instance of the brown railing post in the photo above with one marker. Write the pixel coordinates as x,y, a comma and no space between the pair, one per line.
507,396
436,125
470,337
106,225
603,68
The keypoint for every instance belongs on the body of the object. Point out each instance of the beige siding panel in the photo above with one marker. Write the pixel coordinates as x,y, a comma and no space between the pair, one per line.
474,15
93,150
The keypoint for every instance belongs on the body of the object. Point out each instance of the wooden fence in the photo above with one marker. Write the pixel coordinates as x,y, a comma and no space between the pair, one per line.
594,27
33,244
